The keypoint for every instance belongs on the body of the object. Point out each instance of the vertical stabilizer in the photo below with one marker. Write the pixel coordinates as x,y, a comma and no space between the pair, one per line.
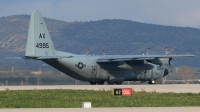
39,42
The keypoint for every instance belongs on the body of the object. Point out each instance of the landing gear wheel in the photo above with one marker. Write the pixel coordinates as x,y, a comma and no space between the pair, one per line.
110,83
93,83
118,83
152,82
101,82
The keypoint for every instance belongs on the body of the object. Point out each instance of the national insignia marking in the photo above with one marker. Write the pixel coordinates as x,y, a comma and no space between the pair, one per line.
80,65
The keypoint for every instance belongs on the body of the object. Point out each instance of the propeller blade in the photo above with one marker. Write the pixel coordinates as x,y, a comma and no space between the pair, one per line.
170,66
170,69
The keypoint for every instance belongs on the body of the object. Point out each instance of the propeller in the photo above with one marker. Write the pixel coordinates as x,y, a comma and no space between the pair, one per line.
170,66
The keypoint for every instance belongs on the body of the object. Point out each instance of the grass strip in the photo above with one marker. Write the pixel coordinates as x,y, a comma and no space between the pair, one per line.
74,98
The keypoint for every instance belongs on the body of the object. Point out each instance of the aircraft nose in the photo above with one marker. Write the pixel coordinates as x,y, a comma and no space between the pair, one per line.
166,72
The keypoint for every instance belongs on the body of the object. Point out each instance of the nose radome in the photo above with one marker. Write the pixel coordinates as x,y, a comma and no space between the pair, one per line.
166,72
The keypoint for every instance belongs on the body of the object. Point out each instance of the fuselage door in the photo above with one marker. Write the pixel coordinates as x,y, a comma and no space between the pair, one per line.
94,72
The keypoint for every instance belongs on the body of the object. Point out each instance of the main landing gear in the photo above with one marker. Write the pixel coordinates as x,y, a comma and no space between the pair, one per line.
97,82
102,82
93,83
112,83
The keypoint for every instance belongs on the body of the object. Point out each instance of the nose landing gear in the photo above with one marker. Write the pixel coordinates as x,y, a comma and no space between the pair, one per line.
152,82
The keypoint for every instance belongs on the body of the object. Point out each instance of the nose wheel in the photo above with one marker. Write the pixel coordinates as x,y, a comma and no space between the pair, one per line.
152,82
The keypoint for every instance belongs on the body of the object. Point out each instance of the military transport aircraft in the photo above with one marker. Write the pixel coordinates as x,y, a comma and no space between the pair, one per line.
95,69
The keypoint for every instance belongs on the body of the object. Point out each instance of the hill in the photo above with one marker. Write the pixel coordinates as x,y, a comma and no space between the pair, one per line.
114,36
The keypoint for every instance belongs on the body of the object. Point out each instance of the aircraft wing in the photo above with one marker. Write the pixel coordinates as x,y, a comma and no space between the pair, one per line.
114,58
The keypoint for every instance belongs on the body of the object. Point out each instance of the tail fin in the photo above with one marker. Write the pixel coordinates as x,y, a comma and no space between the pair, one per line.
39,42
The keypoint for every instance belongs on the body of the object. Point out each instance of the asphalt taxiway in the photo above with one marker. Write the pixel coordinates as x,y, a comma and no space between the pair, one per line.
176,88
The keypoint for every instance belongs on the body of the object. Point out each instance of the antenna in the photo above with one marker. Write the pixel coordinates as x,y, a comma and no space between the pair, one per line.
88,52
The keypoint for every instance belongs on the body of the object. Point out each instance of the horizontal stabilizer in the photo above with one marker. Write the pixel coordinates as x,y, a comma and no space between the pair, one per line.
15,58
53,57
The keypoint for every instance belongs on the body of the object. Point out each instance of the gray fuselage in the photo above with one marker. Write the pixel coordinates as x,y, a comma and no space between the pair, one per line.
87,69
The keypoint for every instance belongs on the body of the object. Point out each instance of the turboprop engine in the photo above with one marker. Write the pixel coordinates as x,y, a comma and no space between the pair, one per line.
160,61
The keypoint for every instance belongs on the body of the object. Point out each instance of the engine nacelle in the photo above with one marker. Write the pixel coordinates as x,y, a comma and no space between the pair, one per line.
160,61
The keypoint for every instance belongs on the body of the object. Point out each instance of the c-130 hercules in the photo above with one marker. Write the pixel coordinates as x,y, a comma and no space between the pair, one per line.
95,69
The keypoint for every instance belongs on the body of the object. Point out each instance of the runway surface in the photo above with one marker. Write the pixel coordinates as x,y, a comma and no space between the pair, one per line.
135,109
176,88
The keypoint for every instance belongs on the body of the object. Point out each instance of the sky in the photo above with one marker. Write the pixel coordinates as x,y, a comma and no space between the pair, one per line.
183,13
